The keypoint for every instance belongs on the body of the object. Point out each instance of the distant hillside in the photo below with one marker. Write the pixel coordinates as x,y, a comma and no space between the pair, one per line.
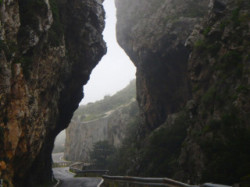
104,120
98,109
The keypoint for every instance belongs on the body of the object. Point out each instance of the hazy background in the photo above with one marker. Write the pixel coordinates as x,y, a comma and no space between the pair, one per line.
115,70
113,73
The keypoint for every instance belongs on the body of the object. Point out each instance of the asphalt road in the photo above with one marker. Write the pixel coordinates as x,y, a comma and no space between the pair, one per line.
67,179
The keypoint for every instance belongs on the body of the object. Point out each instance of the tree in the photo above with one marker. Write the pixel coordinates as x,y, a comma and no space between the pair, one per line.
100,154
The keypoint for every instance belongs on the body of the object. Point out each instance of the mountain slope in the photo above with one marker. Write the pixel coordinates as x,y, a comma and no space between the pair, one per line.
107,119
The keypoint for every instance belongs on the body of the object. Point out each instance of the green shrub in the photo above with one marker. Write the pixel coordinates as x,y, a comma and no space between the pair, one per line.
235,16
230,64
160,155
212,125
228,160
100,154
214,48
233,57
223,24
227,150
154,156
207,30
243,89
209,95
200,45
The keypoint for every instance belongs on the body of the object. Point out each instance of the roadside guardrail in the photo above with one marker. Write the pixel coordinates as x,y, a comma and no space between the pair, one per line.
126,181
77,169
93,171
141,181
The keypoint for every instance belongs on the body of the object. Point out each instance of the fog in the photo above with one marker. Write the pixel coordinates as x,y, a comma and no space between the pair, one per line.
115,70
113,73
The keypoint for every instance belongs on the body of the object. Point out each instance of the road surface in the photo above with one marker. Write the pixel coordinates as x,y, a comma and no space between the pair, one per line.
67,179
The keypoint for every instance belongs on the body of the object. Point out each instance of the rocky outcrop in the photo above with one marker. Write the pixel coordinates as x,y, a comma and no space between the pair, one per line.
202,63
153,34
48,49
219,70
81,136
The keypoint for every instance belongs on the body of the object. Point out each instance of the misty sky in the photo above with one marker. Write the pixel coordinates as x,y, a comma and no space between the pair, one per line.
115,70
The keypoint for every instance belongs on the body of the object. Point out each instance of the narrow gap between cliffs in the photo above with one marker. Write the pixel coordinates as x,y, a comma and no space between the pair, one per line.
113,73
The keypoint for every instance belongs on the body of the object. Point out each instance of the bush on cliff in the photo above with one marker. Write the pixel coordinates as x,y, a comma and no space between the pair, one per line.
101,153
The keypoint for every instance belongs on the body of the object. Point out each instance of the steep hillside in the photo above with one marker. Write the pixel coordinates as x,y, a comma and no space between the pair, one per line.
47,51
219,68
192,87
100,108
106,119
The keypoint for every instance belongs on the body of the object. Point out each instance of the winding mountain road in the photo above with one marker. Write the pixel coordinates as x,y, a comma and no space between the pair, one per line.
67,178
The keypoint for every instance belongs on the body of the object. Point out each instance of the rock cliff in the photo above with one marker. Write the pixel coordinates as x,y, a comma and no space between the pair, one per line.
192,60
47,51
104,120
81,136
217,140
153,34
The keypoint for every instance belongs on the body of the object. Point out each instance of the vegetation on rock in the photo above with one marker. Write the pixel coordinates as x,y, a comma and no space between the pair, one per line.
105,120
101,154
40,87
98,109
211,142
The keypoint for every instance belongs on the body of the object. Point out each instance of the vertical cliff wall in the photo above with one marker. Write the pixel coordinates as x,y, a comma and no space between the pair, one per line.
217,140
153,34
81,136
104,120
48,49
184,58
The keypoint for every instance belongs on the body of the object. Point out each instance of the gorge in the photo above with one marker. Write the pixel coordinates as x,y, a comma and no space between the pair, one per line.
192,82
105,120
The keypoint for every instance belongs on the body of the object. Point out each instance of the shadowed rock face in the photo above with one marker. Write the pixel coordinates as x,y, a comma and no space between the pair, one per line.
153,34
182,56
48,50
219,71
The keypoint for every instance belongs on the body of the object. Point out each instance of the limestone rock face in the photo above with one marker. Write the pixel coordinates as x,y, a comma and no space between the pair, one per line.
153,34
81,136
219,70
47,51
184,58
